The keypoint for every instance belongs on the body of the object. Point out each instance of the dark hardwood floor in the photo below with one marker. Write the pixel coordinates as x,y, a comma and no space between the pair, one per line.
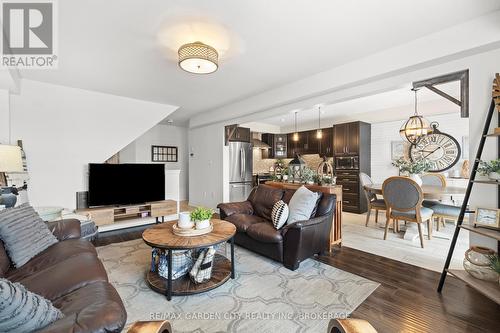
406,300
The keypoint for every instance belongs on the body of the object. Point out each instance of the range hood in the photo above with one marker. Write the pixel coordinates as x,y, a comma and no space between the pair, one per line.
257,142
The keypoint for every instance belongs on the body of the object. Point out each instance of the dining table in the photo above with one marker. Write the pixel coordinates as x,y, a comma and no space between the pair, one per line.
446,194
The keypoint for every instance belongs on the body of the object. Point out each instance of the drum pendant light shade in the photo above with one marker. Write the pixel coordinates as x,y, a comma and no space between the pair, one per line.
415,127
198,58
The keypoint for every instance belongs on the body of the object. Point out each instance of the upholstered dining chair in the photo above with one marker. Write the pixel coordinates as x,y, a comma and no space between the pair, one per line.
403,198
442,211
372,201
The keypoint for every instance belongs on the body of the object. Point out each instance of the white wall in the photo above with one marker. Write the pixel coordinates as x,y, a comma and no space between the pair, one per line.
63,129
139,151
206,167
4,116
386,132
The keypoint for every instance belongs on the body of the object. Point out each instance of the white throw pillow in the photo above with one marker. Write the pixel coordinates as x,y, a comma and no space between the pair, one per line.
279,214
301,205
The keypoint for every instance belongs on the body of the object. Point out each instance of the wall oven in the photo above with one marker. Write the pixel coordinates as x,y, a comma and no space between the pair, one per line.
347,162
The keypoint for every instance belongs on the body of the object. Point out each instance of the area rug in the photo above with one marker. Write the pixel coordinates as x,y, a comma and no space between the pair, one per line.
264,296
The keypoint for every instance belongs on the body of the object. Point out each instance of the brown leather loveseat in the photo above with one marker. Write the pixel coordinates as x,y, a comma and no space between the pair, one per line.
291,244
71,276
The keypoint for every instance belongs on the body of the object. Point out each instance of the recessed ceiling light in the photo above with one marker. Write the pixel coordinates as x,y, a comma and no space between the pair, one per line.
198,58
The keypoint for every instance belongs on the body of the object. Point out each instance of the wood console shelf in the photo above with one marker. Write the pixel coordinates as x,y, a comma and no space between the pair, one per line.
111,214
336,233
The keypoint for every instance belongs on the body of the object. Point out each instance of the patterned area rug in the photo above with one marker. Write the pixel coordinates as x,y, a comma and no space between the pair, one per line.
264,297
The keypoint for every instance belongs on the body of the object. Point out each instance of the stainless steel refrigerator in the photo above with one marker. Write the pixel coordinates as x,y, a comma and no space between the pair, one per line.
240,170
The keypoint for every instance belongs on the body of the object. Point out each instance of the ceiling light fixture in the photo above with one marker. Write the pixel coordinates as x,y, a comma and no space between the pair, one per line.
415,127
295,136
198,58
319,132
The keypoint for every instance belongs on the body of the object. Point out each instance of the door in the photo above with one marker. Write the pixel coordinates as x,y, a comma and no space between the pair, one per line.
239,192
325,148
339,139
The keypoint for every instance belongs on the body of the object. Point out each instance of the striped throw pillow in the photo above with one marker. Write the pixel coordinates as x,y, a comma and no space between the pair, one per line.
24,234
279,214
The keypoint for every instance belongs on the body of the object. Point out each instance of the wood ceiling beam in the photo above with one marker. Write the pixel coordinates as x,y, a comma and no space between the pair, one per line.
462,76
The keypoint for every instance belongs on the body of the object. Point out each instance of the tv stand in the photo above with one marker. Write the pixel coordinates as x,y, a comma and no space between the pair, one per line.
108,217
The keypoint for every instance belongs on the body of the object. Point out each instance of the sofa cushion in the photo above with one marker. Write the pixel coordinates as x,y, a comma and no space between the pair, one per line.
326,205
96,307
51,256
263,199
65,276
302,205
264,232
243,221
24,233
24,311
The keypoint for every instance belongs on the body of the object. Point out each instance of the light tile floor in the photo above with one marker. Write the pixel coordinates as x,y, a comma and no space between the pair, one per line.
371,239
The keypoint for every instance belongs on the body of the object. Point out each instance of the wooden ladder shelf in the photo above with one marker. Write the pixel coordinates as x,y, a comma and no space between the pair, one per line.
489,289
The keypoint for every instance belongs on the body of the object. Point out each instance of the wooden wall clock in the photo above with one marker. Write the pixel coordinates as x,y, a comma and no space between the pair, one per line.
440,149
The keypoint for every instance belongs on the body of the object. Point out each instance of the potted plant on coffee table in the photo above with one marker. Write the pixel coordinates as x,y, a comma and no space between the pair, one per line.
201,217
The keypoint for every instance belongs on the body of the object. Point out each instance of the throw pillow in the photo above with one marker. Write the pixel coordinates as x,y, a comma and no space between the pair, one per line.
24,234
24,311
279,214
301,205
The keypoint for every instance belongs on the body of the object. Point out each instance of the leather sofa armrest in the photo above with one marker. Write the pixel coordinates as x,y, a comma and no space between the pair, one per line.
307,223
65,229
228,209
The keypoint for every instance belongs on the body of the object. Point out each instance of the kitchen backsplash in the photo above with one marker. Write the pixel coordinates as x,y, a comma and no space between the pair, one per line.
262,165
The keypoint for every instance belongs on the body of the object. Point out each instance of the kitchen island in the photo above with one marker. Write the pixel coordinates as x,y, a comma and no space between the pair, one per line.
336,232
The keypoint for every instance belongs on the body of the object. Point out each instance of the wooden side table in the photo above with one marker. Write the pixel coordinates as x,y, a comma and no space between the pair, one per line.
161,237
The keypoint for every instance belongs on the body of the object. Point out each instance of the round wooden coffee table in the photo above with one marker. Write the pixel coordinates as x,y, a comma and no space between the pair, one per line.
161,237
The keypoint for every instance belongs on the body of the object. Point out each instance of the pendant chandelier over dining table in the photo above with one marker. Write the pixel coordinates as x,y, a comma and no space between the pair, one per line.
415,127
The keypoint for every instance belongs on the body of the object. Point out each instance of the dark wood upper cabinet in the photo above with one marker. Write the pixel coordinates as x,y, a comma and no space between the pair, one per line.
339,139
241,134
326,143
269,139
347,137
352,139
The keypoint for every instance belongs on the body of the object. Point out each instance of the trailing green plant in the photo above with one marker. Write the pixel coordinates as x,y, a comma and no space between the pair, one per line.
486,168
285,171
327,180
410,167
317,179
494,262
307,174
201,214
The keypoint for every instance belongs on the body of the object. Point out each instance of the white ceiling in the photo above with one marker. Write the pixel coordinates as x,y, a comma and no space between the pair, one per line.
387,106
128,47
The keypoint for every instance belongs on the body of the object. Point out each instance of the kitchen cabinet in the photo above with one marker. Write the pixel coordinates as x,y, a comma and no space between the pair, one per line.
278,144
326,143
352,140
269,139
240,134
347,137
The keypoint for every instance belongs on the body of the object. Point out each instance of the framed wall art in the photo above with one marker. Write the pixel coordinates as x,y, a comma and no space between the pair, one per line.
487,217
164,154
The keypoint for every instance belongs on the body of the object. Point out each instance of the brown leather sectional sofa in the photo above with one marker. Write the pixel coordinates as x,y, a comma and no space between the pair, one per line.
73,278
289,245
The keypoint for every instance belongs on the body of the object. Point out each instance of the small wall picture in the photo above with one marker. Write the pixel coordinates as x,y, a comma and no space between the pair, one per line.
398,150
164,154
487,217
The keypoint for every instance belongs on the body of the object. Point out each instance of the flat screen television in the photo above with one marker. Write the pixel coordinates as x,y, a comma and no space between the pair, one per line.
124,184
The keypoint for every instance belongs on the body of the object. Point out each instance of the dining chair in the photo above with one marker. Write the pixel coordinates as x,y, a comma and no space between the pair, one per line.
372,201
403,199
442,211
